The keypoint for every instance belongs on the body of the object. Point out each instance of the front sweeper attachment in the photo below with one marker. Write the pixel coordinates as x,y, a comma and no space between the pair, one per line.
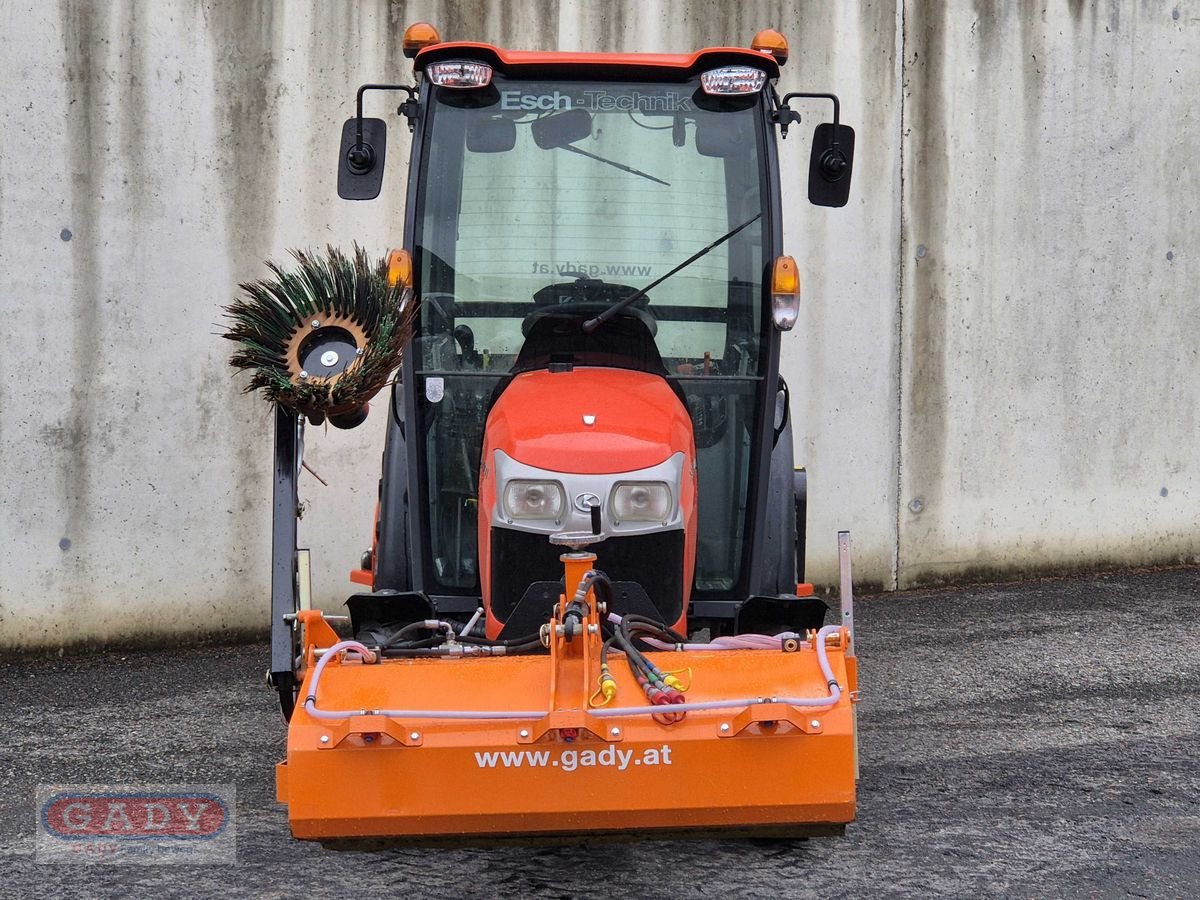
623,726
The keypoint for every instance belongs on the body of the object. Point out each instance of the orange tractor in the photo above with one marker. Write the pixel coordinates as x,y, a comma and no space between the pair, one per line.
581,610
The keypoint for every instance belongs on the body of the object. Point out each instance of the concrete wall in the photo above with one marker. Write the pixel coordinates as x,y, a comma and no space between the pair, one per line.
994,371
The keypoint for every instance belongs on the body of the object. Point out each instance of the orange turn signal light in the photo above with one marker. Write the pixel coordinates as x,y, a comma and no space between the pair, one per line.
785,279
418,36
400,269
771,41
785,293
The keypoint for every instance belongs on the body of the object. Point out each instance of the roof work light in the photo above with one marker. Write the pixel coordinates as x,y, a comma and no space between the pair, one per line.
733,80
460,73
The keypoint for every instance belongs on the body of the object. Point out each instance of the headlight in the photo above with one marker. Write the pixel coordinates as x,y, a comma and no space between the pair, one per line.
641,501
534,500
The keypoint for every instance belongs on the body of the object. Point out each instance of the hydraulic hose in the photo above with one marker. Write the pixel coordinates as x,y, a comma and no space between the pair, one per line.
310,702
729,642
399,639
835,692
512,643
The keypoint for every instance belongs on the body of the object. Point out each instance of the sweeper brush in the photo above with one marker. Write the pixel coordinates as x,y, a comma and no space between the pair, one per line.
324,338
583,608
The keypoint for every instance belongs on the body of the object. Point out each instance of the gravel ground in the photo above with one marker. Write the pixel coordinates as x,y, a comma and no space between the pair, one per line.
1030,740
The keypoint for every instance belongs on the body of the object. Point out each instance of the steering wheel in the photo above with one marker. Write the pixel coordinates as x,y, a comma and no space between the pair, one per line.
586,297
588,309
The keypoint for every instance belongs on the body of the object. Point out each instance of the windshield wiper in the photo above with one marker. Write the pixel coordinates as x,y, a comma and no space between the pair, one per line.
592,324
615,165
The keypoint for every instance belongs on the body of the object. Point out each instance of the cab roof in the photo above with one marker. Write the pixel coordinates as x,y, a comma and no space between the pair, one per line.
599,66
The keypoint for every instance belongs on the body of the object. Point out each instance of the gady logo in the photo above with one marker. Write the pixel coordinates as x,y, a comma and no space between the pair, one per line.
585,501
82,815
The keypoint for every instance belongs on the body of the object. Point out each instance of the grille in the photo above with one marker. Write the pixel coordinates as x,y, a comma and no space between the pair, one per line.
655,561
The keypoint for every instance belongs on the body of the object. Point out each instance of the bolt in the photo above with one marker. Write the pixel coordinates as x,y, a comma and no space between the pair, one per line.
358,352
616,732
917,505
524,732
303,374
329,358
324,739
921,251
815,723
724,728
415,736
592,629
316,323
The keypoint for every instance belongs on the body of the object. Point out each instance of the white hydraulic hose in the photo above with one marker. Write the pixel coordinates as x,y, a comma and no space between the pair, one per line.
729,642
471,624
835,694
310,702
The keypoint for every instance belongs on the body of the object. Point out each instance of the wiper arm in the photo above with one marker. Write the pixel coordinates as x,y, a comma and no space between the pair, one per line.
592,324
615,165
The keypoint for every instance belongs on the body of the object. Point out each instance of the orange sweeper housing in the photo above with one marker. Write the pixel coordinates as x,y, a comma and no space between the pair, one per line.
585,611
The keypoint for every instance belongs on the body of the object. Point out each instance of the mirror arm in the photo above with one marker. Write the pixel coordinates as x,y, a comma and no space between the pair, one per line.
837,107
407,88
832,162
362,157
786,114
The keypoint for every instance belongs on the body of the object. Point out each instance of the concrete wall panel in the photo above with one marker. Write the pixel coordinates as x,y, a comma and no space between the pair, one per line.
1049,305
842,359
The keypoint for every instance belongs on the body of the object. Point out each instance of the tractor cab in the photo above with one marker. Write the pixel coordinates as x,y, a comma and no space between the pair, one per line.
595,242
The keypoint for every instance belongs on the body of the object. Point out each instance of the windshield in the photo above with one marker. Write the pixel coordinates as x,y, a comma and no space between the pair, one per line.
541,194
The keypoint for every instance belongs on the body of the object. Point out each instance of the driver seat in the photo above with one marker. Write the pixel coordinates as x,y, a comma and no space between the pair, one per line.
558,339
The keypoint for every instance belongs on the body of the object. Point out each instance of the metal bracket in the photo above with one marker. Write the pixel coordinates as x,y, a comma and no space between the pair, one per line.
369,728
760,713
847,589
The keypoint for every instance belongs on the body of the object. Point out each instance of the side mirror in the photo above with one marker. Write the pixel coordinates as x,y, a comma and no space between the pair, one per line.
360,167
831,165
562,129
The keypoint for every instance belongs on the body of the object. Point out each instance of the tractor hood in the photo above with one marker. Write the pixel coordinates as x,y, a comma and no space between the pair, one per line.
589,421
